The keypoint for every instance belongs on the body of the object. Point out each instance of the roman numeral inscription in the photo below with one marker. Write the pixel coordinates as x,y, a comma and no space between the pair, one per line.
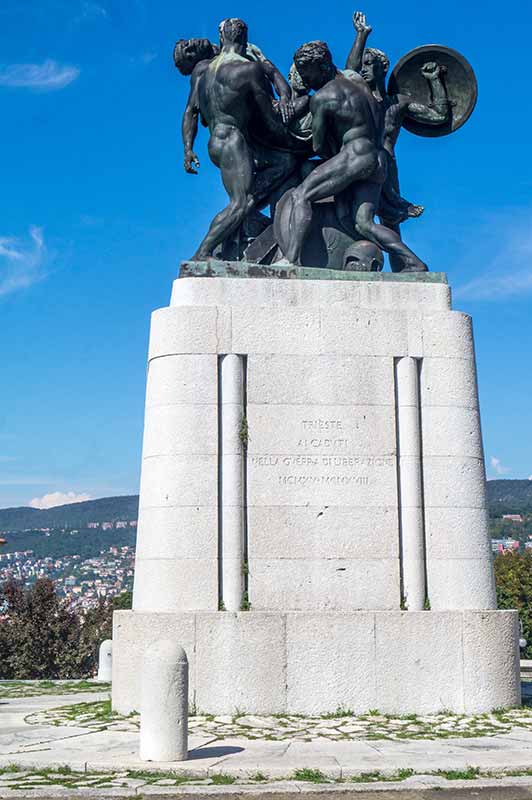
324,453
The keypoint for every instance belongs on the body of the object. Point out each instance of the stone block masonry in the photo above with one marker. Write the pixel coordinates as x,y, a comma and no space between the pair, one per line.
313,663
313,448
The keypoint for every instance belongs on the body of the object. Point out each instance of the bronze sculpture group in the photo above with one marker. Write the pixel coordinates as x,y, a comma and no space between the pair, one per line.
316,150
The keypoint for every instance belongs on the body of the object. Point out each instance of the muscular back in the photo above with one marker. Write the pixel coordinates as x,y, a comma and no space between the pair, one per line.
228,89
347,108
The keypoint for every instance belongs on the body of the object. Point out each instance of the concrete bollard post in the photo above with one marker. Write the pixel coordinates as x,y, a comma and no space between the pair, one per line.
164,703
105,661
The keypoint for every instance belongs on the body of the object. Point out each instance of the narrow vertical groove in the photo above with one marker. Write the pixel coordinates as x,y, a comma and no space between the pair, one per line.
245,520
194,672
462,659
375,662
285,642
220,543
398,477
232,481
422,479
410,483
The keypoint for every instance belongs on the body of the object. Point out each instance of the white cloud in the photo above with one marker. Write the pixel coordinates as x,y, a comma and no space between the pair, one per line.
143,59
21,263
89,9
148,56
58,499
496,287
507,247
48,76
498,467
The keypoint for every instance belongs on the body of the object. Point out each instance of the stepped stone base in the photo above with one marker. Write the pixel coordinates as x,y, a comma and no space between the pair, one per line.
316,662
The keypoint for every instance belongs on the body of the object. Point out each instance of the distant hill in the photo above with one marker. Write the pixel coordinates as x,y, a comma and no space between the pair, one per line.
73,515
504,497
509,497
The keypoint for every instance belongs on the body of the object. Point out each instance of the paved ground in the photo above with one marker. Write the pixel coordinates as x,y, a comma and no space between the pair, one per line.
108,762
10,689
341,726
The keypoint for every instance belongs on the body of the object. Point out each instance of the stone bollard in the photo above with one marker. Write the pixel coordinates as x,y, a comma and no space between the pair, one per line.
105,661
164,703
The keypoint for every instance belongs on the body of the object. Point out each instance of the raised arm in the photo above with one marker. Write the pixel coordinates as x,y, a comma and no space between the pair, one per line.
438,111
354,59
189,125
271,131
280,84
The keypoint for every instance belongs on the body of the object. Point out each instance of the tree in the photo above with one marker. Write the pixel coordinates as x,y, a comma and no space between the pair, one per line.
42,638
39,633
513,576
122,601
98,626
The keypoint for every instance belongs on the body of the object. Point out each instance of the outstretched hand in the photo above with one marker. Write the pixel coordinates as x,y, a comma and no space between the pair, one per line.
359,21
431,70
191,161
286,109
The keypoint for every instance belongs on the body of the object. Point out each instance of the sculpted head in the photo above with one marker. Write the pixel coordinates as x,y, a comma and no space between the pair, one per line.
233,31
189,52
375,65
314,64
296,84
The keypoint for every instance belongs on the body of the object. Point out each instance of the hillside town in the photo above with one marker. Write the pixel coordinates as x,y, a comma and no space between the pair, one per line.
105,571
82,580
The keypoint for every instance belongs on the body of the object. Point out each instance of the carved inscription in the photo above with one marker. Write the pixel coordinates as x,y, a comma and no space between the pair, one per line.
330,464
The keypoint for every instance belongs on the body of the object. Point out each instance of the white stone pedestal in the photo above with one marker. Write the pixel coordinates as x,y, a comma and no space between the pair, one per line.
313,448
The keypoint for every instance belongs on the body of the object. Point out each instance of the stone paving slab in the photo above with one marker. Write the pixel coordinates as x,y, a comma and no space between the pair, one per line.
415,789
106,761
239,760
39,688
344,725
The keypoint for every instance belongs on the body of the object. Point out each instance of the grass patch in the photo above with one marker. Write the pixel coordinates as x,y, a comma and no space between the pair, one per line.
10,769
222,779
64,770
467,774
339,713
403,774
367,777
99,711
160,775
374,777
310,775
519,773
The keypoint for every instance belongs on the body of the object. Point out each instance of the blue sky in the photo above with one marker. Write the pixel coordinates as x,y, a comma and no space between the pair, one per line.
97,212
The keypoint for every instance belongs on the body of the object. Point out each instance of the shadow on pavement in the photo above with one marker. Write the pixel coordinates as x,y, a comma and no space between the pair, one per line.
213,752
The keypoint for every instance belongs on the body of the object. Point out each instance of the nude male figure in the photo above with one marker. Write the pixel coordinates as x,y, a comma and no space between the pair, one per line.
373,65
189,52
231,94
347,127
